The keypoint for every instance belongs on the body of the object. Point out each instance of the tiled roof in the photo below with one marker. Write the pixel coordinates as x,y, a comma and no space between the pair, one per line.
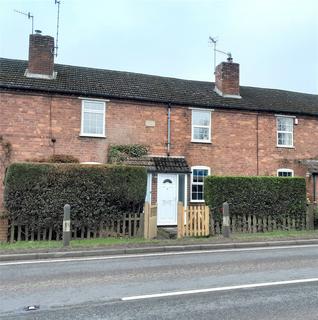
161,164
127,85
312,165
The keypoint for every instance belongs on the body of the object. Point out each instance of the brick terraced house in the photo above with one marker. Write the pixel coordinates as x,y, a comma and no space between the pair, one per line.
193,128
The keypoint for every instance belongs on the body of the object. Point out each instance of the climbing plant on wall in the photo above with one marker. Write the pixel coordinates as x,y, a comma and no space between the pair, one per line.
5,152
120,153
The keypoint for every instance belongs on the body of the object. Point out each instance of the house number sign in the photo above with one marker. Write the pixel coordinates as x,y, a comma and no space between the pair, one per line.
66,225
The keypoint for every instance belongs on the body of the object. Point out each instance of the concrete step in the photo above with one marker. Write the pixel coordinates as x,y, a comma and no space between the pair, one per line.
167,233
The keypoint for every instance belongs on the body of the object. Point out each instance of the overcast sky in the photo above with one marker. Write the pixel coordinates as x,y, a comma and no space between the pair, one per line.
275,41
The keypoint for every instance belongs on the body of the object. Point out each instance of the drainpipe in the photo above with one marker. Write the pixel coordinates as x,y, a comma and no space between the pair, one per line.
314,189
257,147
169,129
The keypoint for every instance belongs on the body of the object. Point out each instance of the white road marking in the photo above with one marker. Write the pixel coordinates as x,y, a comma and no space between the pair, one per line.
142,255
228,288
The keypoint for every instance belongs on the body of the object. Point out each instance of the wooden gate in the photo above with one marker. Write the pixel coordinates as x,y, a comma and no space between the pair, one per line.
193,221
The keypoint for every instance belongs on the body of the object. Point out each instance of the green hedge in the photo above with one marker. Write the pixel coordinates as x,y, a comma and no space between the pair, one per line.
35,194
260,196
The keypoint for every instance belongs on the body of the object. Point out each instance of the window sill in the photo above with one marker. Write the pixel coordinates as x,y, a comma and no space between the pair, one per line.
201,141
286,147
92,136
197,201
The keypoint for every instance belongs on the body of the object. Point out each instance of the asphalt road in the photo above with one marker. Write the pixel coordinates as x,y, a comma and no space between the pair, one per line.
94,289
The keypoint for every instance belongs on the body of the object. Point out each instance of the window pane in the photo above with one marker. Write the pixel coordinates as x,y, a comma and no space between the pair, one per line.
93,123
199,174
197,192
201,118
285,174
201,133
285,139
93,106
285,124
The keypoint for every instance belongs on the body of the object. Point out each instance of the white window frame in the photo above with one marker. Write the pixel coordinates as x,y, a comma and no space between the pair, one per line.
292,132
196,126
85,134
197,183
285,170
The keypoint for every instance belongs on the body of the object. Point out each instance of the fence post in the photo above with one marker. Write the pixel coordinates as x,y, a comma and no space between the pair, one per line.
226,220
146,220
67,225
207,221
310,216
180,220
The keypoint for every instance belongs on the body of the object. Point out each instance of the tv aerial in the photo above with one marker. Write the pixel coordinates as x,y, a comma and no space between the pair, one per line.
29,15
56,47
214,42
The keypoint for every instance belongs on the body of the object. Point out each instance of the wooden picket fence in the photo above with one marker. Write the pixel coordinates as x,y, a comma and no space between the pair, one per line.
199,220
193,221
252,224
130,225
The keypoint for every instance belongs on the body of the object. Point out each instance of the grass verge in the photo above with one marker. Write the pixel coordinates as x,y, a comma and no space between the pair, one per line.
109,242
74,243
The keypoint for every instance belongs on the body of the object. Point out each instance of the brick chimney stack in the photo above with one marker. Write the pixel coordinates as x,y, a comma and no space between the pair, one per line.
227,80
41,57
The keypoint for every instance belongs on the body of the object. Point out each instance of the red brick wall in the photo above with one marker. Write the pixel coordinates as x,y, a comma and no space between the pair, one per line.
3,229
29,122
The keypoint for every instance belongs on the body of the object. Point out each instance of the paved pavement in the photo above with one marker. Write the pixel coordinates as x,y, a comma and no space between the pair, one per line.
94,288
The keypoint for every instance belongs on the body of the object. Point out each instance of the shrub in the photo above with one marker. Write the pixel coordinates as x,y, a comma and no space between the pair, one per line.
62,158
35,194
56,158
119,153
260,196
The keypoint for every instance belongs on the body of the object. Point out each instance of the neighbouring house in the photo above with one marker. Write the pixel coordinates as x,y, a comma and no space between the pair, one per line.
193,128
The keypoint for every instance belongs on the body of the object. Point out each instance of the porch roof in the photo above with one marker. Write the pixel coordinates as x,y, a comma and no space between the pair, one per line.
312,165
160,164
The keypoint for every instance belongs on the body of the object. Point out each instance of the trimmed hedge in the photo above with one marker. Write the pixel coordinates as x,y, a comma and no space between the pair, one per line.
35,194
260,196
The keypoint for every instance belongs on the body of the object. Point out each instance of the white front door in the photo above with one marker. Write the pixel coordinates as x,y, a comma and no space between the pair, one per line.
167,199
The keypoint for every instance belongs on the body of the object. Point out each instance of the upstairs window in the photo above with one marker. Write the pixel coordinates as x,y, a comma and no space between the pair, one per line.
201,126
285,173
285,131
93,118
197,183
